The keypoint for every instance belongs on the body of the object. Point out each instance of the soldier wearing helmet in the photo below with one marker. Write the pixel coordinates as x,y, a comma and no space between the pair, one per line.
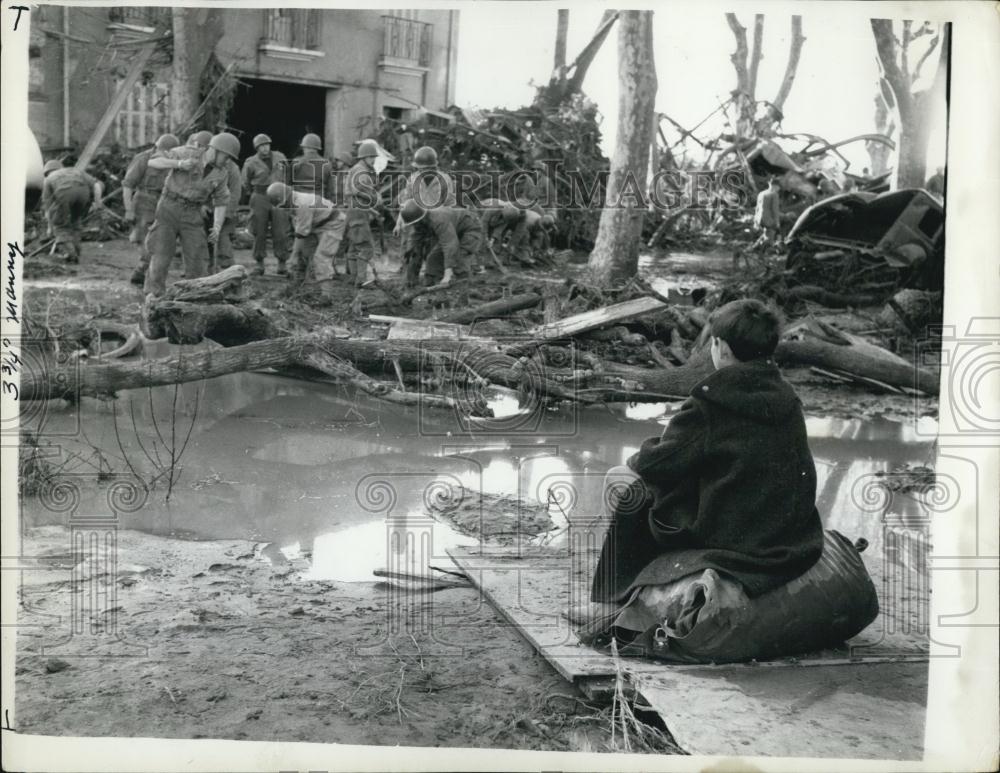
200,139
319,230
362,196
446,238
531,236
198,177
499,218
260,171
430,187
223,254
141,189
67,195
311,172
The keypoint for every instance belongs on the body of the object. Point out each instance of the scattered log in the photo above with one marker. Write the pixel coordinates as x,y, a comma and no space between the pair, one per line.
855,360
415,292
831,299
226,285
225,323
498,308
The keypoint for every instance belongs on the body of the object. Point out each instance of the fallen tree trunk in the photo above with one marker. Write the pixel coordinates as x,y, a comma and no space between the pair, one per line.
854,360
498,308
225,323
831,299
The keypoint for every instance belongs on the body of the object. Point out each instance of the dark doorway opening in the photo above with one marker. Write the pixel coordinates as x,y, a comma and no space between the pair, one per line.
283,111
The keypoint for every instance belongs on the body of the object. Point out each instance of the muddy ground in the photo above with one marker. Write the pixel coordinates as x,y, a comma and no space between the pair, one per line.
232,639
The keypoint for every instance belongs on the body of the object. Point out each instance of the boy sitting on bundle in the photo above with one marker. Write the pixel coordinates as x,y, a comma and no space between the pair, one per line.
730,486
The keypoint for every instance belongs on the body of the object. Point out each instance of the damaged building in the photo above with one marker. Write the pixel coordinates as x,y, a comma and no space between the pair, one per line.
285,72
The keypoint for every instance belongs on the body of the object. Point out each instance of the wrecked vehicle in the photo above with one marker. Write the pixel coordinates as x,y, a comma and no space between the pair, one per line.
904,229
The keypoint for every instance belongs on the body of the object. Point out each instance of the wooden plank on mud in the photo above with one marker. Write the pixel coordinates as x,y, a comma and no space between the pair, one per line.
531,587
591,320
829,704
868,711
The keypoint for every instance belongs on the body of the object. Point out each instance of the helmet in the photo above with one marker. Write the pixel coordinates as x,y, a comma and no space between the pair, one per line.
548,221
412,212
367,149
278,193
261,139
425,158
312,141
226,143
167,142
512,214
51,166
202,138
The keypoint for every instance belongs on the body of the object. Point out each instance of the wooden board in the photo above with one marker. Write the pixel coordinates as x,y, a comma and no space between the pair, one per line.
591,320
866,711
406,329
827,704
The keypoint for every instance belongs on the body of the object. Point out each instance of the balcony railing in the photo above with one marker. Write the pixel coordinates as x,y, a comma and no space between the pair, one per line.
293,28
141,16
408,40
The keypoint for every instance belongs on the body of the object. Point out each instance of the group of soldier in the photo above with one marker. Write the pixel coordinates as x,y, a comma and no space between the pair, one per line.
191,193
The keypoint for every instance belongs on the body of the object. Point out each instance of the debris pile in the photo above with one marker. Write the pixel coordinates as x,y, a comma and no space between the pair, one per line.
560,144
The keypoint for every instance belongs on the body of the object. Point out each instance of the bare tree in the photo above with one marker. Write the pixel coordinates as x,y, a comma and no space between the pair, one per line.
568,80
746,62
616,250
562,30
885,123
914,108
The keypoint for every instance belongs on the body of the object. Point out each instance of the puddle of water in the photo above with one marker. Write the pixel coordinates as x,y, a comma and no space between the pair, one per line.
315,469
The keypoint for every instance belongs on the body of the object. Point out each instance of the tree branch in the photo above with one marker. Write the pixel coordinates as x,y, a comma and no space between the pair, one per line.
757,55
885,45
794,52
920,63
739,56
582,63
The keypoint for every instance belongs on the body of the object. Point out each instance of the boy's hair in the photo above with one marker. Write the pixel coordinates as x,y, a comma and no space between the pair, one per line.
749,327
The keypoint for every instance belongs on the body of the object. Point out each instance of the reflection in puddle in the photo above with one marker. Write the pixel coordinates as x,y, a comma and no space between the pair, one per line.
288,463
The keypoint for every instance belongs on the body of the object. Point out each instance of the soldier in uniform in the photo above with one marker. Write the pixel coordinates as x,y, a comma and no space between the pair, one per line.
319,229
361,195
197,178
141,189
530,235
259,172
311,172
446,238
67,195
431,188
223,257
498,218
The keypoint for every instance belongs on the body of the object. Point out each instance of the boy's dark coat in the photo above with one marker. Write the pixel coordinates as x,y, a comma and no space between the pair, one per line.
730,486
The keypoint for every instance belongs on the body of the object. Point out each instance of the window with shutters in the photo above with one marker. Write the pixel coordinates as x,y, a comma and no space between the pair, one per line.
145,116
292,33
406,39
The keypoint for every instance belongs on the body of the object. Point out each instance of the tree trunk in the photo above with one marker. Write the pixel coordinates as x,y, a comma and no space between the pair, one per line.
743,95
756,55
914,135
562,29
792,67
616,249
586,57
916,111
776,108
498,308
182,96
879,152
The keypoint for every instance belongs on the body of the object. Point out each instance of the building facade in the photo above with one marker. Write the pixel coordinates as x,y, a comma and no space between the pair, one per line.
289,71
